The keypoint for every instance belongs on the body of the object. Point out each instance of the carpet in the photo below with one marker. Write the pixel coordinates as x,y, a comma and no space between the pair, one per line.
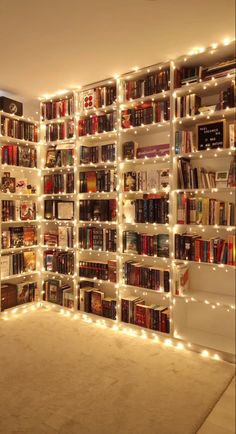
61,375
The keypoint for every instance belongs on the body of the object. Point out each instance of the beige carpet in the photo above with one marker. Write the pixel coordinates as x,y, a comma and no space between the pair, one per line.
59,375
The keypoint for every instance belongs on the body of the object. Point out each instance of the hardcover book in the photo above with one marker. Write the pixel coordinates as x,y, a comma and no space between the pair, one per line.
29,261
96,302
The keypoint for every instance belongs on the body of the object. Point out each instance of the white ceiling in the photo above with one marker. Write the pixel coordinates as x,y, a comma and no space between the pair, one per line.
49,45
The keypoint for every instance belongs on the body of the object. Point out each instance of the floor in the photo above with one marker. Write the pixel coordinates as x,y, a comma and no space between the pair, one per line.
60,374
222,418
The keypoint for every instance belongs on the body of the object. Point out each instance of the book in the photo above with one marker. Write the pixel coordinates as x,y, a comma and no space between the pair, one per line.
21,185
65,210
181,279
5,266
129,150
232,135
29,260
153,151
96,302
57,108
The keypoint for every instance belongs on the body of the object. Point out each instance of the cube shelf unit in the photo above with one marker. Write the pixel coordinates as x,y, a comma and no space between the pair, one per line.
18,153
203,318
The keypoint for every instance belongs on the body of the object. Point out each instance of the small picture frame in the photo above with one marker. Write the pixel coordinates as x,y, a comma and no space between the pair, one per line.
222,178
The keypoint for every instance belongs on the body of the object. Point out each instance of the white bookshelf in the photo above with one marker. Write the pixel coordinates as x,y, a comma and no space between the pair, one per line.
204,318
32,174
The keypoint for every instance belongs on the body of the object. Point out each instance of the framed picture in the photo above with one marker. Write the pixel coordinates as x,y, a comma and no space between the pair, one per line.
8,183
222,178
65,210
211,135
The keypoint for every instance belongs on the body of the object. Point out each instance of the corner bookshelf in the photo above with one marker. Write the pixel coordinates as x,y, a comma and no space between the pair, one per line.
139,150
20,194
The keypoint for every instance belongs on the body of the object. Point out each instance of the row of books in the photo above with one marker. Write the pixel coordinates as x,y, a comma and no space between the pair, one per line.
59,157
18,210
146,180
11,184
149,85
187,74
148,210
57,261
146,244
226,98
192,177
154,317
16,294
145,114
187,105
99,210
57,109
62,237
98,97
58,292
58,209
184,142
60,131
214,250
204,210
19,129
22,236
99,180
97,238
100,270
59,183
95,154
18,263
136,274
131,150
97,124
94,301
195,73
19,155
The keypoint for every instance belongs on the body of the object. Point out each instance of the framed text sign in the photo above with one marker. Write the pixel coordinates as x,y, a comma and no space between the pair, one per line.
211,135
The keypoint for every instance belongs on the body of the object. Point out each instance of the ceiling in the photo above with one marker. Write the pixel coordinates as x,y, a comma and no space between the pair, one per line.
49,45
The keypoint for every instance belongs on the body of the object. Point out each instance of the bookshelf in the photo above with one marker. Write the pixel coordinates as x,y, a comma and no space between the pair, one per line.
155,112
19,198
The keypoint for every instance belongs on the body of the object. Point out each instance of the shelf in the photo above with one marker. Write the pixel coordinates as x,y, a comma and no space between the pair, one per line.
99,252
62,222
211,264
204,86
209,153
95,222
58,120
97,111
17,222
229,190
18,249
58,169
56,274
9,196
147,225
200,226
208,340
19,168
21,275
199,117
96,280
143,257
18,118
64,249
146,128
6,139
164,295
60,142
58,195
151,192
138,161
99,136
219,300
153,97
102,165
98,194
